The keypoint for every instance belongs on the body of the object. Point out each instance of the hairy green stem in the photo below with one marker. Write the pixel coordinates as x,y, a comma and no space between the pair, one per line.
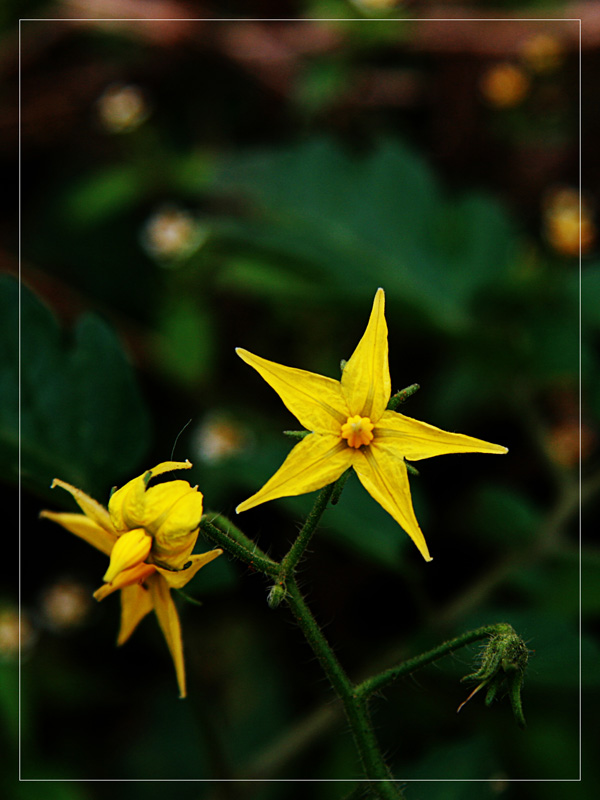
296,551
400,397
376,770
250,554
224,524
377,682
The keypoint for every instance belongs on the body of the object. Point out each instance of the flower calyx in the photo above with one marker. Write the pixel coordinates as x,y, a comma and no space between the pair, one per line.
503,662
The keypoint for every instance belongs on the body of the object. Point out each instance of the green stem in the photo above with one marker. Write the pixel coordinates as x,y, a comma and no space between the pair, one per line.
224,524
400,397
253,556
375,768
377,682
296,551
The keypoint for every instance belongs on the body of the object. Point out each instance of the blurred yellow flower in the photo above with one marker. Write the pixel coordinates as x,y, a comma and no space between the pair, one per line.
17,636
567,223
122,108
543,53
350,427
66,604
504,85
172,234
149,533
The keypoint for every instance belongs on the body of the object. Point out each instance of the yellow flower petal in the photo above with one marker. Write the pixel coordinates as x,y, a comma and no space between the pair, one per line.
385,478
316,401
313,463
128,505
366,377
415,440
169,624
90,507
130,549
136,602
176,535
127,577
178,579
85,528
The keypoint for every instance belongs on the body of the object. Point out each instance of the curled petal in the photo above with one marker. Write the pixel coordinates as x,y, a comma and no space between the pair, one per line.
366,377
136,602
168,620
85,528
130,549
415,440
385,477
316,401
90,507
176,535
128,577
313,463
128,505
179,578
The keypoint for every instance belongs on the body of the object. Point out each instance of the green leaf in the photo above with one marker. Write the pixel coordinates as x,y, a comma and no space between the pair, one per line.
351,218
186,344
82,416
590,294
100,195
503,516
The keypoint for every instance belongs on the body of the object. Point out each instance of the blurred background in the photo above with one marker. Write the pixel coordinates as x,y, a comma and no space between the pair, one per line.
193,185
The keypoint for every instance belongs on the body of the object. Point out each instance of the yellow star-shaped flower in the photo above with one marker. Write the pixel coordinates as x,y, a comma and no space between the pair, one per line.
350,427
149,533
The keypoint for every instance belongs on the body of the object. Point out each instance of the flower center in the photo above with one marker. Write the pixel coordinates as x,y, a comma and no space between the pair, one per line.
357,430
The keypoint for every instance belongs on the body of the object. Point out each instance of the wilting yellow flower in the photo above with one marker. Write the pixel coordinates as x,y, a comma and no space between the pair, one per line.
350,427
149,533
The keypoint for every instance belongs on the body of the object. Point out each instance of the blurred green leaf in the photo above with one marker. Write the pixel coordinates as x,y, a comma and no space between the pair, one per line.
356,221
590,294
9,698
185,346
464,760
82,415
503,516
104,194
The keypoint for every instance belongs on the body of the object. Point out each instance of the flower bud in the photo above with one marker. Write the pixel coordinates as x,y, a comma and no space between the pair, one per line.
130,549
276,595
502,669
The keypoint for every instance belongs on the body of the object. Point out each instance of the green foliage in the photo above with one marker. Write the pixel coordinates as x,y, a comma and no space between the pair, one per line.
82,415
342,218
